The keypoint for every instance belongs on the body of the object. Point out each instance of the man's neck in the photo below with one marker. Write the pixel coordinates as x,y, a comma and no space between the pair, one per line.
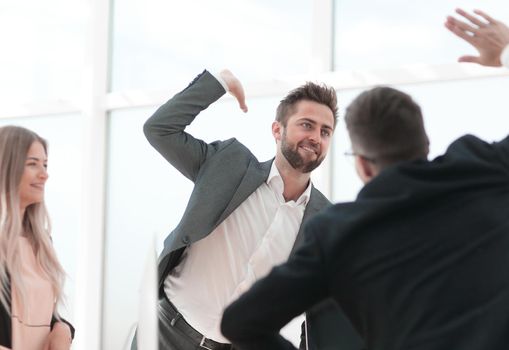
294,181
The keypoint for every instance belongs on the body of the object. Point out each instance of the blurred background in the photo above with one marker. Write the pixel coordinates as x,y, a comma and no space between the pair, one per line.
86,74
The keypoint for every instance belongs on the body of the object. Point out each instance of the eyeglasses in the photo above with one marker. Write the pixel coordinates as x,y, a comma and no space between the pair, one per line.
354,154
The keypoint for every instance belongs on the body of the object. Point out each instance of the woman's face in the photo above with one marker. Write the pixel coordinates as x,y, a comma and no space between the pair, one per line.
31,188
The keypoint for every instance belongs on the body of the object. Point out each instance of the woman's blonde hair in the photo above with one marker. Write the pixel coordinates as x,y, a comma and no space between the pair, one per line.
14,145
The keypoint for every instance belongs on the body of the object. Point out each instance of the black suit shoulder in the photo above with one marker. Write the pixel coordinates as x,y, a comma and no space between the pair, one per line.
473,149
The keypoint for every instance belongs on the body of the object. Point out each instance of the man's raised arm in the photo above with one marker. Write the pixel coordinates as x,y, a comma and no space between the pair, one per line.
165,128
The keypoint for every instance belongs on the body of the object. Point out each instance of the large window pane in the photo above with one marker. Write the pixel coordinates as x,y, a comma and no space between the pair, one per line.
450,110
42,48
63,189
147,196
158,43
372,34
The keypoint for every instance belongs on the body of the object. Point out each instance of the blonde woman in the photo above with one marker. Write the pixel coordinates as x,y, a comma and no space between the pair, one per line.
30,274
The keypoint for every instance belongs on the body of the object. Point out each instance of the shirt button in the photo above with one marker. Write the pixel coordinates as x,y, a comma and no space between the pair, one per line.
186,240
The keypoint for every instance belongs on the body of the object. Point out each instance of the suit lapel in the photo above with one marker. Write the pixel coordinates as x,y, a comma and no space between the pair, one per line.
312,208
255,175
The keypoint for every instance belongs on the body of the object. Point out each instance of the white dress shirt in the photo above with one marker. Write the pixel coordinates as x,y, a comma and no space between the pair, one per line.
216,270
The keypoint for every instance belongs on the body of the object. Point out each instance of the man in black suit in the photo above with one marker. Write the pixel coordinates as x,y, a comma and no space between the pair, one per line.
419,260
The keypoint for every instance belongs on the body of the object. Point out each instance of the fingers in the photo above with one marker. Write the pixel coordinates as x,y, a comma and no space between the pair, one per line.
451,25
241,100
471,18
471,59
461,25
486,16
242,103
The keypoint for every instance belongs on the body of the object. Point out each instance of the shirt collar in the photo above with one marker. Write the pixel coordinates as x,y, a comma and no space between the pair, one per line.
275,181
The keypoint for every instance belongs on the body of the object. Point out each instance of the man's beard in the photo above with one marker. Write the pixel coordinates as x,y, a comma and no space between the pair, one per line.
291,153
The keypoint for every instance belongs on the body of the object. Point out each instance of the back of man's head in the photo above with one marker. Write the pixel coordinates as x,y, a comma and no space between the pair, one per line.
386,126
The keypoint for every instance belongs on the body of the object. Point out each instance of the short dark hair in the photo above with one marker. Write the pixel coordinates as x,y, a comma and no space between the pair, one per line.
386,125
319,93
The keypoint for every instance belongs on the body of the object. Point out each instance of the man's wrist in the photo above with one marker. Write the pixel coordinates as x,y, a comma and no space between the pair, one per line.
504,56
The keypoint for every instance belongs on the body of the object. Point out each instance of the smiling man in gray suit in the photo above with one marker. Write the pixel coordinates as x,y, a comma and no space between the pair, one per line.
243,216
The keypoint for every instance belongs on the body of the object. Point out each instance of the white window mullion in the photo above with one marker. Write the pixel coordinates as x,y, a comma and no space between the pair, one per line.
322,63
90,259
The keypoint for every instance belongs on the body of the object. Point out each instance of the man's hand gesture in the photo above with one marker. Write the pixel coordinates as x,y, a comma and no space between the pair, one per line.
486,34
234,87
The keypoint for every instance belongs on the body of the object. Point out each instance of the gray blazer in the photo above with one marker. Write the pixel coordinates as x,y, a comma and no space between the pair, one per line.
224,173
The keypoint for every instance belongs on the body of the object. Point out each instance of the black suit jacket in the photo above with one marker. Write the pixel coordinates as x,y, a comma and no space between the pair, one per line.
419,261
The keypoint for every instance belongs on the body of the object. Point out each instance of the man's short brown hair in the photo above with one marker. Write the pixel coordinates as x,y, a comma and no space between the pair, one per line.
322,94
386,125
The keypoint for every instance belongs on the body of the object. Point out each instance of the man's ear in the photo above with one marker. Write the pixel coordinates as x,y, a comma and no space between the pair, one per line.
277,130
365,169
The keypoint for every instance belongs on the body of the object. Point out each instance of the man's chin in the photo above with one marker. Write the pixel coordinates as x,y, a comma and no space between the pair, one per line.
302,160
309,166
305,170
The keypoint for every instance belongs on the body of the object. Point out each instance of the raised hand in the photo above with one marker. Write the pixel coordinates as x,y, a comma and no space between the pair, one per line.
483,32
234,88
